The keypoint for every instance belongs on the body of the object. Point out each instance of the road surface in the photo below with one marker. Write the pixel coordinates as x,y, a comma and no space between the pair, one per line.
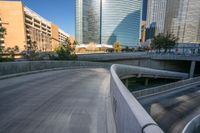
64,101
173,112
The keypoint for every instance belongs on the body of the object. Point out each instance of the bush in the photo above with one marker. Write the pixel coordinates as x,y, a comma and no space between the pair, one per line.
7,59
8,54
164,41
66,52
31,51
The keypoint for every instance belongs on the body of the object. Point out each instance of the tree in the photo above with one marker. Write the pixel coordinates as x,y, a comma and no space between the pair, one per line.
75,43
164,41
31,47
117,47
72,43
31,50
12,51
66,51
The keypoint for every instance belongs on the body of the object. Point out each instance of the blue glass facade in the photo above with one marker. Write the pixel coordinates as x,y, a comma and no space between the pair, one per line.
144,10
111,21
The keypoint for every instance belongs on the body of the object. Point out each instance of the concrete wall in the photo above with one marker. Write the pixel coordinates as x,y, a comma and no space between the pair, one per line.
26,66
192,126
137,55
171,62
181,66
130,116
131,71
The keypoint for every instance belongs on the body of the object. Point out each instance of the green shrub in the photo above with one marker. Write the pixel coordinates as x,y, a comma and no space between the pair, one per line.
164,41
66,52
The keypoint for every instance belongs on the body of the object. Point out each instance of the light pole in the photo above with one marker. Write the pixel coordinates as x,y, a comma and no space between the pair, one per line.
100,21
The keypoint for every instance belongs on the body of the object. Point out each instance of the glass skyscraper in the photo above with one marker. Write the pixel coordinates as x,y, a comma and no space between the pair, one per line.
186,24
108,21
156,15
88,21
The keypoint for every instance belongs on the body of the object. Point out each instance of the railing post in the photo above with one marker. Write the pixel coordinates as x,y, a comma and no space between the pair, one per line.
146,82
192,69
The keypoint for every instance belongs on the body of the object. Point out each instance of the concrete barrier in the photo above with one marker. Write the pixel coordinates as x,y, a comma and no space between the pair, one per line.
192,126
164,88
27,66
126,71
129,115
137,55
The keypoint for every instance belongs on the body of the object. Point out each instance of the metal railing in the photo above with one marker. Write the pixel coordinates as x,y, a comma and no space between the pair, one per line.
184,51
164,88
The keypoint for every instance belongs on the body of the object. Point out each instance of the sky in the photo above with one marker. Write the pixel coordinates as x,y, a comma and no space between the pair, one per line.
60,12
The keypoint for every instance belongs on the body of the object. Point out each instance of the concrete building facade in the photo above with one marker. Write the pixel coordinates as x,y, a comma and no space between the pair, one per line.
156,15
1,33
24,26
180,17
186,23
143,32
108,21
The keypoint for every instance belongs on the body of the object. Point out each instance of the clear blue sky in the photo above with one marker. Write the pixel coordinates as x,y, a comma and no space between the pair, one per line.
60,12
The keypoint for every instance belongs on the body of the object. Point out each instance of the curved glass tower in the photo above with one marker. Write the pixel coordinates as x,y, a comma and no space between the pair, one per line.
108,21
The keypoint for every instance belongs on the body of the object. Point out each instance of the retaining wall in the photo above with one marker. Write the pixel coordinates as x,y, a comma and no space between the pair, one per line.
27,66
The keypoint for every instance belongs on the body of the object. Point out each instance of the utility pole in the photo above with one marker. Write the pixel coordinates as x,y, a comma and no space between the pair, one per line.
100,22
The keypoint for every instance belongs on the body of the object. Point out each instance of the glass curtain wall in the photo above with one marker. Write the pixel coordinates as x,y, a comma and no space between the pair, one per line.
88,21
108,21
121,21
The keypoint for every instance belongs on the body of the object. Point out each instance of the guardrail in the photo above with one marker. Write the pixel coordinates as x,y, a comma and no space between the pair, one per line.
163,88
129,115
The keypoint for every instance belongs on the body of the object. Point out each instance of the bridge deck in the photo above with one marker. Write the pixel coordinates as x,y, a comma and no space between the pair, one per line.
65,101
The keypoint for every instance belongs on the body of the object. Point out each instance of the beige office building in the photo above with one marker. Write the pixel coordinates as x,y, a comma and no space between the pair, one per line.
25,26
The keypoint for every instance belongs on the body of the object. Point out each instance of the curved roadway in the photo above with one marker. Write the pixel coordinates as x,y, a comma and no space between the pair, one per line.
65,101
173,112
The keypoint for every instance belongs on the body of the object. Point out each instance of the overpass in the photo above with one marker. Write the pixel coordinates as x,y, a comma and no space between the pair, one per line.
136,55
164,61
54,97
